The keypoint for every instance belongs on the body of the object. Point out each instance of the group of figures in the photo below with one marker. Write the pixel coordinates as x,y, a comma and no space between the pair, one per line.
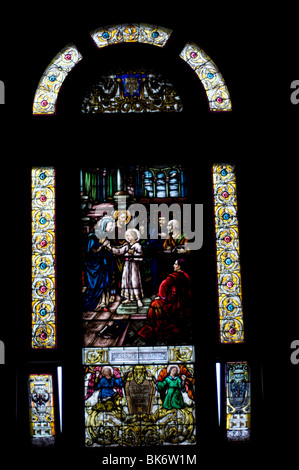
137,295
116,269
140,405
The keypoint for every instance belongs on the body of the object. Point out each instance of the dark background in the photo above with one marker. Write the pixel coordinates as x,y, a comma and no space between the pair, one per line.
256,54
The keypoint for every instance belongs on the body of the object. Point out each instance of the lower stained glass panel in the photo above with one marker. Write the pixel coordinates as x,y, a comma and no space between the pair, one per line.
139,396
238,401
41,410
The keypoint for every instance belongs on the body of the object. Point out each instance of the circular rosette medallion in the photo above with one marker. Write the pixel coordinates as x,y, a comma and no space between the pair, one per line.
43,198
43,220
43,310
232,331
229,283
225,193
43,265
230,306
227,238
43,288
43,243
226,215
43,335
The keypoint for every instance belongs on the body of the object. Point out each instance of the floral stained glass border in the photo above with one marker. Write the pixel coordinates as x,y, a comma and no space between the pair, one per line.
43,258
228,255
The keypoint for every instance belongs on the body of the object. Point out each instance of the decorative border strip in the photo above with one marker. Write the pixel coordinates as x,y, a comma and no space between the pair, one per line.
228,255
216,90
136,355
43,258
53,77
143,33
41,410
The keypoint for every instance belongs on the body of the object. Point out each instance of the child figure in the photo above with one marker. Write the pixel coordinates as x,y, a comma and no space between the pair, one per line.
131,286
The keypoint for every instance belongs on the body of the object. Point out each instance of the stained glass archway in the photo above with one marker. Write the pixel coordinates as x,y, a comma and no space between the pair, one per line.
48,88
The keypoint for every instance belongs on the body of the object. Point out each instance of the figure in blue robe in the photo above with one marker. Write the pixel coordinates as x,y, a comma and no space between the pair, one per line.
98,270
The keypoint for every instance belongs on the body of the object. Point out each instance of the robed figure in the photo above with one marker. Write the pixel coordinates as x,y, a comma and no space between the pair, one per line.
169,313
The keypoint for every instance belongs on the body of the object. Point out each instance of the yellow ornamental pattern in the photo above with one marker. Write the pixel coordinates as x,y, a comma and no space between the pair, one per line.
228,255
213,82
43,258
142,33
52,79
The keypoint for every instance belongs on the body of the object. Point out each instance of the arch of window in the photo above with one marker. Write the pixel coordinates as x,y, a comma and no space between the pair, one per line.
46,94
53,77
213,82
143,33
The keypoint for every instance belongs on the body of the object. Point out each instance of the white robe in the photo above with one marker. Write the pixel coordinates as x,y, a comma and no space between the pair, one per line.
131,286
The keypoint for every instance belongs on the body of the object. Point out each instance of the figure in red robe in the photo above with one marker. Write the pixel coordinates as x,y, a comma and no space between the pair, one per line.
169,312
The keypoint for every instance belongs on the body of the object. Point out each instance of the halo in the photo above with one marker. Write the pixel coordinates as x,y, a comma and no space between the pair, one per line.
128,214
170,366
133,230
107,367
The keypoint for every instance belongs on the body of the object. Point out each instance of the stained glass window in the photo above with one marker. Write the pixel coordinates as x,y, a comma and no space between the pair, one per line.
238,401
160,184
174,183
131,92
43,258
138,360
53,77
139,396
228,255
216,90
142,33
164,182
41,410
148,183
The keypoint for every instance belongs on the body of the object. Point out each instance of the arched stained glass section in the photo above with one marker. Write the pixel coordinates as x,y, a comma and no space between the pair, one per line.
48,88
142,33
228,255
53,77
216,90
131,92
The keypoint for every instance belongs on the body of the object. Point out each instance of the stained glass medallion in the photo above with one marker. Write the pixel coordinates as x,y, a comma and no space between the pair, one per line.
141,32
43,258
139,396
238,401
212,80
228,255
41,410
127,92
